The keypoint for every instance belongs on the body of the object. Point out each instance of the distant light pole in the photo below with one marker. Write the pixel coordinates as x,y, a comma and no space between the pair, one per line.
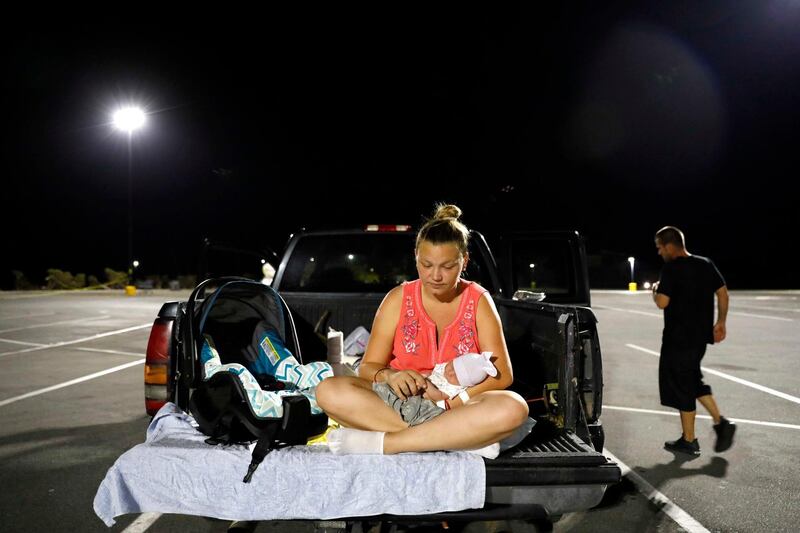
129,119
632,284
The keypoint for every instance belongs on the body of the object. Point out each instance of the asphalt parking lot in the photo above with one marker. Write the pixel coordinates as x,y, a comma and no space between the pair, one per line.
71,402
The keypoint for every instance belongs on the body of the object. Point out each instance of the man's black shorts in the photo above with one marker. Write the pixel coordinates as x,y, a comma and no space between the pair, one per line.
680,381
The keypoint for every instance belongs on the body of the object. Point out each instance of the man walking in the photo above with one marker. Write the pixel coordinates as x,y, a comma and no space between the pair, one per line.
685,291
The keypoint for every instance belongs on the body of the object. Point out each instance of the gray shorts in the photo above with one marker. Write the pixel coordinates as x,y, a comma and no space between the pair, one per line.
413,411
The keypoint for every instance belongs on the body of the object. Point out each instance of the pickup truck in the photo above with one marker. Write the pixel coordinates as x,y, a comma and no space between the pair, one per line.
539,282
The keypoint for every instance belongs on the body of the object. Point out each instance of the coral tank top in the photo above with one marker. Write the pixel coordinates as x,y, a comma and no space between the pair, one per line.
415,344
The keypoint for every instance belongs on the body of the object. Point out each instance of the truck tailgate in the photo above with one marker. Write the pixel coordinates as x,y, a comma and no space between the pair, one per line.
564,459
559,475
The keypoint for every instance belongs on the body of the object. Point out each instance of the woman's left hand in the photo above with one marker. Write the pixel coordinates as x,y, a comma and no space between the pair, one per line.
434,394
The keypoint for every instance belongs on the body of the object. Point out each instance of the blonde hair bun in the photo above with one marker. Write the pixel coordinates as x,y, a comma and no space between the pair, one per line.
445,227
444,211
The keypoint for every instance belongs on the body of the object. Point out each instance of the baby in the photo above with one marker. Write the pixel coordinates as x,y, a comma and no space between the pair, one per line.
451,378
464,371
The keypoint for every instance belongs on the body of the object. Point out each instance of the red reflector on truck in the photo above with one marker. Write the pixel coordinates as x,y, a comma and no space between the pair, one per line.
153,406
156,366
158,345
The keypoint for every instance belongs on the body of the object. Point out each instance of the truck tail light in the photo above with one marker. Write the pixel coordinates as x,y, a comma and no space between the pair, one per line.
156,365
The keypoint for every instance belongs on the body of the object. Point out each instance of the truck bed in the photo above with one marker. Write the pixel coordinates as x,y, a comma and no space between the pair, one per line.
551,467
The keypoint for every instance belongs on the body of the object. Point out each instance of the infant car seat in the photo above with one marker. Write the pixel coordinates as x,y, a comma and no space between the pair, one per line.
252,387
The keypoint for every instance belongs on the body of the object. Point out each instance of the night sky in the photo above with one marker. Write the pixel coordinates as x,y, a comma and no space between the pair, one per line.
603,118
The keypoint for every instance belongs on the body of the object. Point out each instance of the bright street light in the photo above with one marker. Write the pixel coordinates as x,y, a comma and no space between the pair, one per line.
129,119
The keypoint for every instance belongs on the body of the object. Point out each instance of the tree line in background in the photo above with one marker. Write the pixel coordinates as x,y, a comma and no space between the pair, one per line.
64,280
607,269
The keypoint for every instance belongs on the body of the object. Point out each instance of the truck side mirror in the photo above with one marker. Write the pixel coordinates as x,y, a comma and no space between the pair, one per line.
528,296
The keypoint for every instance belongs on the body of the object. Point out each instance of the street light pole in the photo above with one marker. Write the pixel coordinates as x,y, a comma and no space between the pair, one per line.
632,284
130,206
130,119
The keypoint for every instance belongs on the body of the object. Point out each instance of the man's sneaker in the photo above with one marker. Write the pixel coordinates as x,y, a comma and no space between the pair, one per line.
724,430
683,446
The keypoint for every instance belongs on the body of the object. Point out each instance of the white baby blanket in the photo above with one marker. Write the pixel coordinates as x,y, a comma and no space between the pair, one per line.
175,471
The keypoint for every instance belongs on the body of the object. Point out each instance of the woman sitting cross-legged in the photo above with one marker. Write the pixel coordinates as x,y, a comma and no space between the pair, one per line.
420,324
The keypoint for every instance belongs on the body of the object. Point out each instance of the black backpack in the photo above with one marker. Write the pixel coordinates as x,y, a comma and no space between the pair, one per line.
235,314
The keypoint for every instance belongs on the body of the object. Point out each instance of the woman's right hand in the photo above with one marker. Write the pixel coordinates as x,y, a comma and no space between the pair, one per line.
407,383
433,393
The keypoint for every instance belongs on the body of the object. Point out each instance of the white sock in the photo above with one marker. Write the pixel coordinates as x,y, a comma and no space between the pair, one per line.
348,440
490,452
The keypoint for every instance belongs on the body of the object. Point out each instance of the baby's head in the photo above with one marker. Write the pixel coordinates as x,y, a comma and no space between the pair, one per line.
469,369
450,373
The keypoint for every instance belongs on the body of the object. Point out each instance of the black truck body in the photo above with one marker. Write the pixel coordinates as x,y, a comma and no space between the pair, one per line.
539,283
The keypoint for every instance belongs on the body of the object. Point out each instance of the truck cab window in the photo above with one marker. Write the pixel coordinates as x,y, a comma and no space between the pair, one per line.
350,263
369,263
543,265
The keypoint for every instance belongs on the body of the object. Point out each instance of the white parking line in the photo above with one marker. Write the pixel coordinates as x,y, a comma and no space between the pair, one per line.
741,381
670,413
71,382
76,341
762,316
657,315
115,352
142,523
664,504
73,321
22,342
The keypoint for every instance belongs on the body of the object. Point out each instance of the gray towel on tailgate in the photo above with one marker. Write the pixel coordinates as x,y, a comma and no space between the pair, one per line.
174,471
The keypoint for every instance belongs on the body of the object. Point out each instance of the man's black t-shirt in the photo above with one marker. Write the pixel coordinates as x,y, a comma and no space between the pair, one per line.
690,282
